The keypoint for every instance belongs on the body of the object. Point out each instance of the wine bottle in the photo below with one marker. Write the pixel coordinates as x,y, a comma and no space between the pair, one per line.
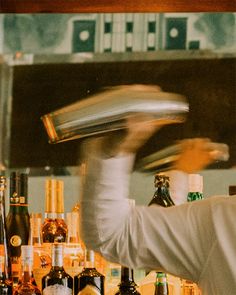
57,281
89,281
161,286
127,285
27,284
54,229
17,221
161,196
5,285
195,187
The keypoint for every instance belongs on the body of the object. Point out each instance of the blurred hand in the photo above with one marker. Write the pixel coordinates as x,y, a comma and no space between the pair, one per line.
196,155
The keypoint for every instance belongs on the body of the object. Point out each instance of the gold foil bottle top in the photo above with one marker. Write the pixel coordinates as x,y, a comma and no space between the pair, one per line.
60,196
54,196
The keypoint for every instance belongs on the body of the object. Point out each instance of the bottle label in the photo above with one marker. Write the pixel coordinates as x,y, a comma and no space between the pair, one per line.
89,290
15,241
57,290
2,260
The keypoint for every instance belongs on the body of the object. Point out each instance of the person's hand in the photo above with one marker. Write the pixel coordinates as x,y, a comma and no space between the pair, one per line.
195,155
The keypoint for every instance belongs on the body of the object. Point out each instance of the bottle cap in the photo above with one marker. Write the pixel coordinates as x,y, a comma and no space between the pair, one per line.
161,180
195,183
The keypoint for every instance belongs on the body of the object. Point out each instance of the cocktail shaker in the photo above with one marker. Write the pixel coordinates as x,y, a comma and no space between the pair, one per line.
108,111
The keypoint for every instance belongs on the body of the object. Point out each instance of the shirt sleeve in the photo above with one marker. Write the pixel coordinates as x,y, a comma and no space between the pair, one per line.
168,239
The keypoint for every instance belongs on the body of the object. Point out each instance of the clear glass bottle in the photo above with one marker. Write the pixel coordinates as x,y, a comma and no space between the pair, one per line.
57,281
73,252
54,228
27,284
127,285
5,284
161,286
18,221
161,196
89,281
195,187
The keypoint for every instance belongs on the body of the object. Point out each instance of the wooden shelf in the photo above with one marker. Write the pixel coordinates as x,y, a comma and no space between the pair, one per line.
85,6
161,55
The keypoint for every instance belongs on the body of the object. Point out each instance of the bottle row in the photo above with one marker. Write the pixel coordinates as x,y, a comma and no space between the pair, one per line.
41,252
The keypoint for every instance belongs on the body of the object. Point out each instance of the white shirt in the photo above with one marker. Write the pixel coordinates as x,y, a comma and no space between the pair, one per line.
196,241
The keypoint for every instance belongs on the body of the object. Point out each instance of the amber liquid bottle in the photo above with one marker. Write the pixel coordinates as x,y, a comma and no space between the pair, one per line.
5,284
89,281
27,284
57,281
17,221
54,228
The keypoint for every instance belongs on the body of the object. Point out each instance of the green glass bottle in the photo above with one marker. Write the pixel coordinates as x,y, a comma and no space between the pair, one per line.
161,286
161,198
195,187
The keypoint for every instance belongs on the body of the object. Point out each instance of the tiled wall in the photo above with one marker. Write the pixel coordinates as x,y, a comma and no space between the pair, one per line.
117,32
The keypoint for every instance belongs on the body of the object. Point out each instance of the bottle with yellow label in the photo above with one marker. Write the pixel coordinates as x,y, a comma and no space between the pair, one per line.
18,221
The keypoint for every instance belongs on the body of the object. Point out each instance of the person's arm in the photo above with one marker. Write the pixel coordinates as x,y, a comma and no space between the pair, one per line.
148,237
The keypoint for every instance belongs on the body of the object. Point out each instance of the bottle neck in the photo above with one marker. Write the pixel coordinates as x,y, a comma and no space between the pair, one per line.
90,259
127,276
27,272
57,257
54,215
19,208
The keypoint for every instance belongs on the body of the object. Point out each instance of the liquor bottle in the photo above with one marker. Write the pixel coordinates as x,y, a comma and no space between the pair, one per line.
89,281
195,187
161,287
57,281
5,285
195,194
73,252
54,228
35,237
27,284
17,221
161,196
127,285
